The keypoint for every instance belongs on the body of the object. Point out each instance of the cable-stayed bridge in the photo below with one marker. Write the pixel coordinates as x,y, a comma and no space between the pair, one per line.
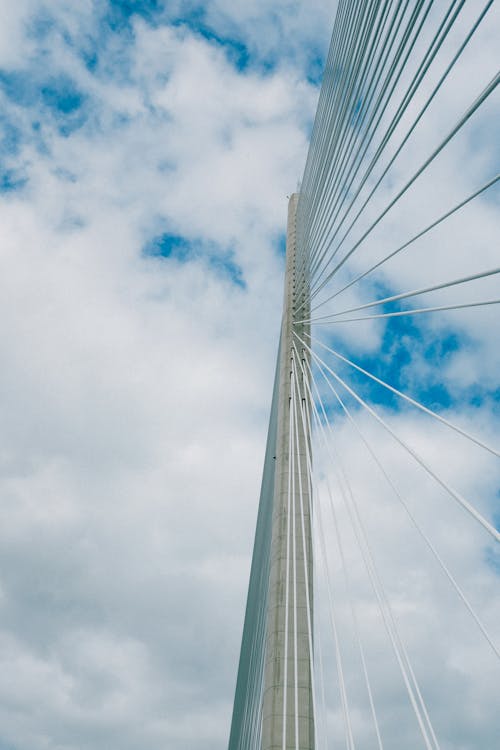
381,448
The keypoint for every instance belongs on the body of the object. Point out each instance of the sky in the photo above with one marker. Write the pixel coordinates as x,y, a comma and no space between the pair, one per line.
448,362
147,150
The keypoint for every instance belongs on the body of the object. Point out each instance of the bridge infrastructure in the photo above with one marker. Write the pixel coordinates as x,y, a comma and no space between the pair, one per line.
392,455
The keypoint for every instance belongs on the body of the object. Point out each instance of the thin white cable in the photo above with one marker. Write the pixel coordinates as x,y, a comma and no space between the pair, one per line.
342,685
415,524
486,92
407,673
392,621
338,655
313,490
452,492
357,634
350,600
287,581
343,475
420,234
294,571
355,622
325,320
405,397
322,686
412,293
312,515
302,519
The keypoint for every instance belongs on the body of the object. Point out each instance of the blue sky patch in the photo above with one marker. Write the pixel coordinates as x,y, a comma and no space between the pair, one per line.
282,244
61,96
316,64
478,396
440,348
10,138
11,180
408,347
236,51
120,12
406,340
19,87
57,96
225,266
168,246
90,58
178,248
40,25
65,102
403,340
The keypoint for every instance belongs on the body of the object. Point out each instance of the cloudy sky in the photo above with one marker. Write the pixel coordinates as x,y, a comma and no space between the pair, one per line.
147,150
146,153
449,362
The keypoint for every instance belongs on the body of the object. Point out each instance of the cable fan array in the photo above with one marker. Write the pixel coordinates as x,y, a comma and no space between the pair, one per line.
395,376
384,198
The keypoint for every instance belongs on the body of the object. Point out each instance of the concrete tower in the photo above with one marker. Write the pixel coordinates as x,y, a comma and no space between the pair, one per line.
291,572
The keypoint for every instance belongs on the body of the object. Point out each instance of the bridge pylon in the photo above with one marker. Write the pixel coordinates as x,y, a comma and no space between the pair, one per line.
273,704
288,715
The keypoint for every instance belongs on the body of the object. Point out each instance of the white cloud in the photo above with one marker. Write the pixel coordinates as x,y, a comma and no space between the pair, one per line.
450,656
135,389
